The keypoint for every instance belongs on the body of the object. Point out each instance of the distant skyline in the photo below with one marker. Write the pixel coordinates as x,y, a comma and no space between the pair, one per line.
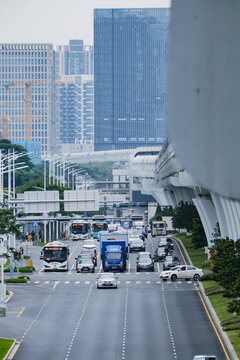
57,21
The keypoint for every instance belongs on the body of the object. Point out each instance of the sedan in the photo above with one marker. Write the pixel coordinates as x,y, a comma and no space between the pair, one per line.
145,264
170,262
89,244
182,272
136,244
85,265
107,280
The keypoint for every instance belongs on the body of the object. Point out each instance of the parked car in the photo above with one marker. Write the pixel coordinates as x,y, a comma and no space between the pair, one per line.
136,244
182,272
89,244
145,263
170,262
107,280
161,253
204,357
85,265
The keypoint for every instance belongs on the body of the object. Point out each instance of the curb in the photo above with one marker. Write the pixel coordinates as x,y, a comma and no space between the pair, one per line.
227,343
12,351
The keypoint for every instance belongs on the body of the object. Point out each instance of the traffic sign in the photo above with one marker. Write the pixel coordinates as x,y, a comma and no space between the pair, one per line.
35,224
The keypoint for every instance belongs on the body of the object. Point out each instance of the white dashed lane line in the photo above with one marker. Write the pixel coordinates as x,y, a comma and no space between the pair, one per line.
78,323
125,325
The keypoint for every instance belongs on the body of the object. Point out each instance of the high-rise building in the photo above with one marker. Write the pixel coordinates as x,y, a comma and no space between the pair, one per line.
75,58
130,65
76,109
27,95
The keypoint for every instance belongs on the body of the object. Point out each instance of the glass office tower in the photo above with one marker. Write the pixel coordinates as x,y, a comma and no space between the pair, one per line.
130,65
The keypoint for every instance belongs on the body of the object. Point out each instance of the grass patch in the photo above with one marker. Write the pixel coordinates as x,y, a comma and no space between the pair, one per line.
5,345
198,256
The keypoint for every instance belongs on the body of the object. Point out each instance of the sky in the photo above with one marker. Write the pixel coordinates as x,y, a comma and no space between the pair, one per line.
57,21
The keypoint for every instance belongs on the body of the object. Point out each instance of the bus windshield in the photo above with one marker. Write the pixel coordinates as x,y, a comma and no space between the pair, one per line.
55,254
79,228
100,227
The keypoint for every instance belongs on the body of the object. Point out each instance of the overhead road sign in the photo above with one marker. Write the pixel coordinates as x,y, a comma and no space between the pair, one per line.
81,200
35,224
41,201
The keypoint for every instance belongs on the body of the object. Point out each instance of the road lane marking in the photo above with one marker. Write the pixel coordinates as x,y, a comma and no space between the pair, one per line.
78,323
15,349
207,312
70,272
148,282
213,325
66,282
77,282
129,267
20,312
46,282
36,282
55,284
87,282
73,251
138,282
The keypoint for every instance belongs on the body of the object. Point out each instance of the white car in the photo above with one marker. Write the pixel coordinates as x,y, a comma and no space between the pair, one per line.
89,245
107,280
204,357
136,244
182,272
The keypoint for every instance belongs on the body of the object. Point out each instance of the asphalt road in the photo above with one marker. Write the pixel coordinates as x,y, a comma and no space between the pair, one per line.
65,316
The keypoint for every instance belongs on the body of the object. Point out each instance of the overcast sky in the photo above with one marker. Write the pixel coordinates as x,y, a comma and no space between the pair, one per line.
57,21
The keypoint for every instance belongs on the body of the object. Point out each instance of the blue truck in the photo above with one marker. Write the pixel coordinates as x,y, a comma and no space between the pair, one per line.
114,251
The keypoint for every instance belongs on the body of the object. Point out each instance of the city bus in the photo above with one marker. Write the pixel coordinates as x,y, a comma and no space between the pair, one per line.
99,224
55,256
79,230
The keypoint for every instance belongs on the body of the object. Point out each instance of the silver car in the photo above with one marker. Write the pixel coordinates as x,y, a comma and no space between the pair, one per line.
107,280
89,245
85,265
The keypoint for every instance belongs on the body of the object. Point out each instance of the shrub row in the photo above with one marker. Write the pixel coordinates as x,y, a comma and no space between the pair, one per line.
23,269
214,290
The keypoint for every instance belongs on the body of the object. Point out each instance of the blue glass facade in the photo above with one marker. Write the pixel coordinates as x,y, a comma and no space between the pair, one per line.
130,64
76,109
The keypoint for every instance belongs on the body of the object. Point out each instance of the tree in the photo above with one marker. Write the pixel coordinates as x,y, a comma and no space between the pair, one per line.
183,216
199,239
227,263
8,223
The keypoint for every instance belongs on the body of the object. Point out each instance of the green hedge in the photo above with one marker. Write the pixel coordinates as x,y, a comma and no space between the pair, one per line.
23,269
16,281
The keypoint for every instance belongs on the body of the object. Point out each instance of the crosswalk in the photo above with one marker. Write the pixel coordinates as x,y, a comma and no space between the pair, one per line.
127,282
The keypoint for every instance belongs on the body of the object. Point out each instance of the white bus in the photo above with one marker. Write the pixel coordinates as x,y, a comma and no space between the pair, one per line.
79,230
55,256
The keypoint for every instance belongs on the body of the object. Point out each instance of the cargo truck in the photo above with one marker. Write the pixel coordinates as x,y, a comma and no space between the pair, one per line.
114,251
